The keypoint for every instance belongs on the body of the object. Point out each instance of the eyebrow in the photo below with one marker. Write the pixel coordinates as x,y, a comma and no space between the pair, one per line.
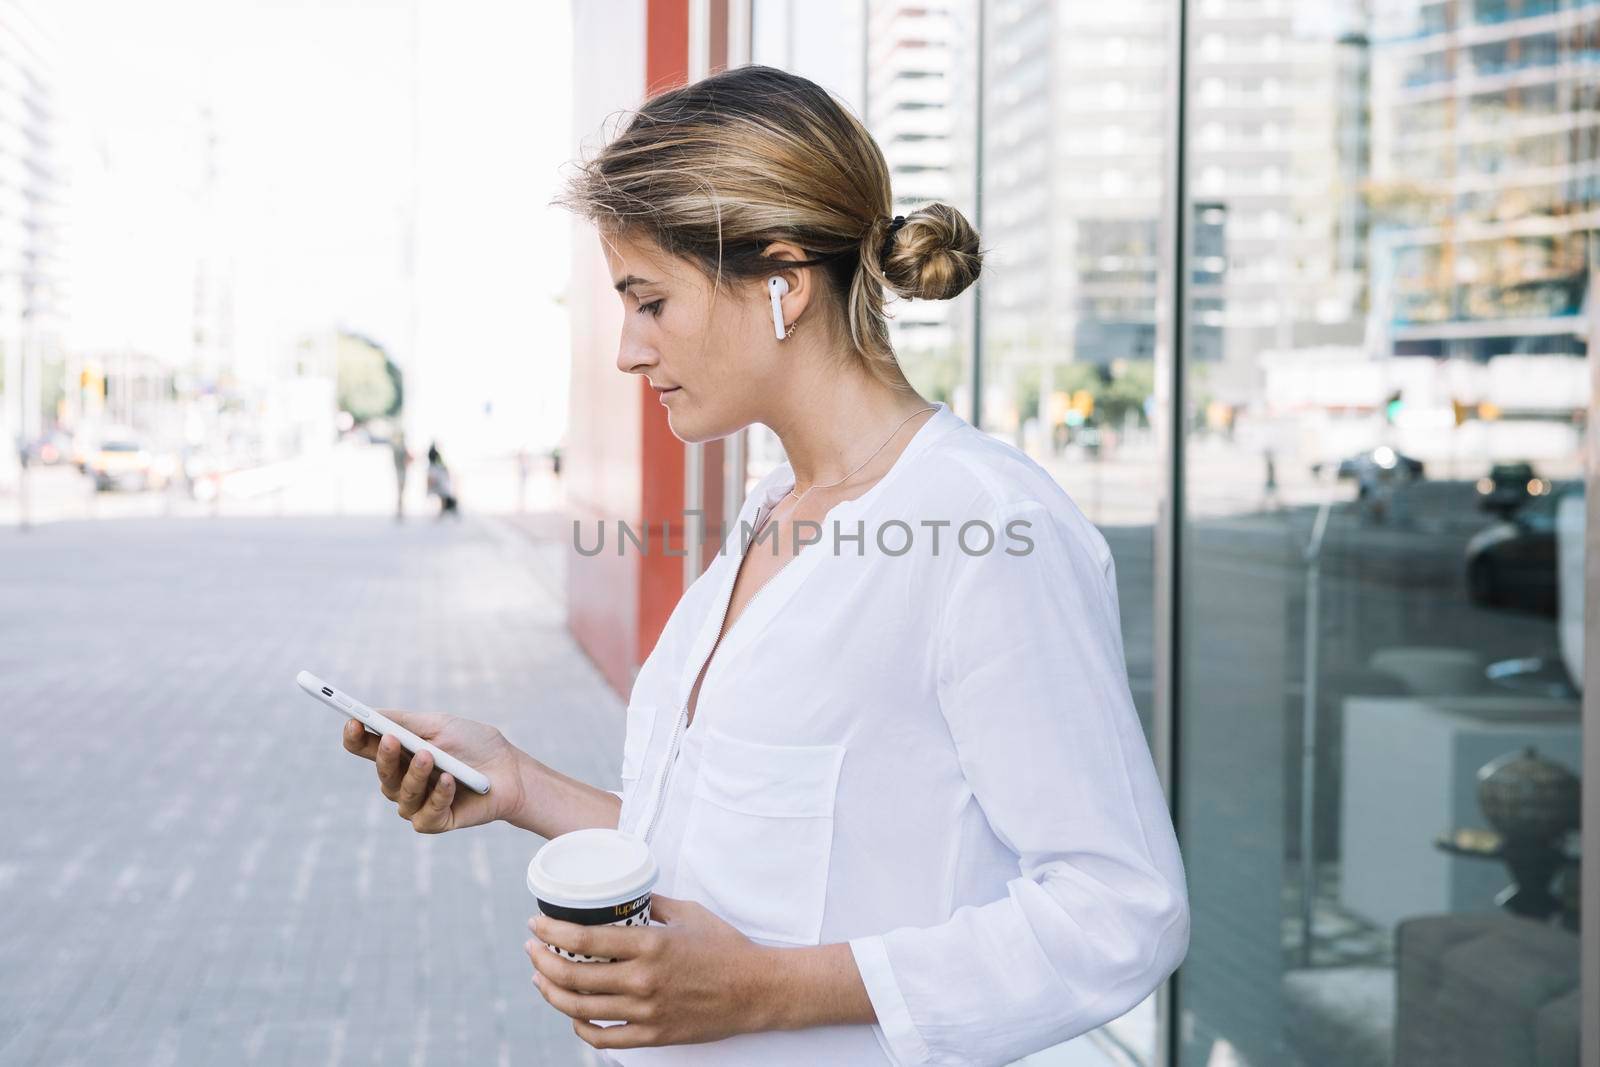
631,280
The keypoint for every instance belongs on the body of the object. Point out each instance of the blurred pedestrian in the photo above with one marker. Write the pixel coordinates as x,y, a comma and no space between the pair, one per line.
524,463
440,484
402,464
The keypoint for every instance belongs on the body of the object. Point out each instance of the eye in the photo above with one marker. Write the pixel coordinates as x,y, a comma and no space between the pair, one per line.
652,308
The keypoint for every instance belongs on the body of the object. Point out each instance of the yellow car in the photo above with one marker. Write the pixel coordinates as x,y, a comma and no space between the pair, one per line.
125,465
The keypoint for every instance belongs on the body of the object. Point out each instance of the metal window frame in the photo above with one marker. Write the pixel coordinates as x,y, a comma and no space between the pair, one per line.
1589,869
1171,351
694,488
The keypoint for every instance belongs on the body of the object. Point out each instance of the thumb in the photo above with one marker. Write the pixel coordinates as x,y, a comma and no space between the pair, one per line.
668,909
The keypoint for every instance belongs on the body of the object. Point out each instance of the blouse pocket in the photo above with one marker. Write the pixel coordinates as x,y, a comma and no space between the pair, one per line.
759,835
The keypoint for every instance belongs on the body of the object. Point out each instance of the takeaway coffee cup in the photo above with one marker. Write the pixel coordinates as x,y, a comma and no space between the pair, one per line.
593,877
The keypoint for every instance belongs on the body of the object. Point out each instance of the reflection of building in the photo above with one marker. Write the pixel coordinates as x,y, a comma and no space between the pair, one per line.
1074,163
1074,105
1330,167
30,193
910,79
1278,142
1486,154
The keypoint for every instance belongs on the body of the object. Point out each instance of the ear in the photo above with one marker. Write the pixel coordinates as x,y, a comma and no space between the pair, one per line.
802,280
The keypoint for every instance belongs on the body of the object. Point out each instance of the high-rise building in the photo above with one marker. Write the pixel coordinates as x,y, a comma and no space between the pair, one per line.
213,310
1073,163
1486,160
1076,185
1280,141
913,93
31,289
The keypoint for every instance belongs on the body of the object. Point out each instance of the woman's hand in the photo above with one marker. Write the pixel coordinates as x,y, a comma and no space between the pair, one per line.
431,800
695,979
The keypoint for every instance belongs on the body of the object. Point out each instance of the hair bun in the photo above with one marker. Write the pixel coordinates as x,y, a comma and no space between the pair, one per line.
933,256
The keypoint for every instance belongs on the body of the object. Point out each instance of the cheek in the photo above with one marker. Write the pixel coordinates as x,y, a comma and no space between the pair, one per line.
689,343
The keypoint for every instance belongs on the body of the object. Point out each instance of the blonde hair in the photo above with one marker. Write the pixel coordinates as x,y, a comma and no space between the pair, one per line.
715,171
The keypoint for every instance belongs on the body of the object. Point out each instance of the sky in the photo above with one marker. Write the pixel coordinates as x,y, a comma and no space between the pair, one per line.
378,165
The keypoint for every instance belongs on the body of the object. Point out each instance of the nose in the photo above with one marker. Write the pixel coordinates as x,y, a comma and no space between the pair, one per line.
634,355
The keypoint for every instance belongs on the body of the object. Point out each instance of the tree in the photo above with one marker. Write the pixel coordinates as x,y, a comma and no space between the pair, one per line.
368,382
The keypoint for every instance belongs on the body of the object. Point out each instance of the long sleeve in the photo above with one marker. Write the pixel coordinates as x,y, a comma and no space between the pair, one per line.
1034,689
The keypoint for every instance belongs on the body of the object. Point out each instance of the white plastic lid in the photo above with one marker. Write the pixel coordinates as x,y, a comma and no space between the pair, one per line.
592,867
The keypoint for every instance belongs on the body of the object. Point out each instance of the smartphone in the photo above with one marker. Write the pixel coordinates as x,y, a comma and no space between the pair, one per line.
380,724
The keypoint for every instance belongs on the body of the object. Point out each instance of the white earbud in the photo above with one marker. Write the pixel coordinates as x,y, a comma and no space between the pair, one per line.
778,288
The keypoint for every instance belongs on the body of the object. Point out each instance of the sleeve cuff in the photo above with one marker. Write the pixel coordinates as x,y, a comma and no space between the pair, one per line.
896,1031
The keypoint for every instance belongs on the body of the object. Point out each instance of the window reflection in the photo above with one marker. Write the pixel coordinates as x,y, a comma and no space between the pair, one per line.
1383,540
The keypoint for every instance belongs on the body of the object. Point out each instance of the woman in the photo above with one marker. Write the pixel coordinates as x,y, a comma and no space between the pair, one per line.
884,749
440,484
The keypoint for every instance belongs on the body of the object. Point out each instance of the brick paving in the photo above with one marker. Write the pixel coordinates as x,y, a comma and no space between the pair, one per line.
192,869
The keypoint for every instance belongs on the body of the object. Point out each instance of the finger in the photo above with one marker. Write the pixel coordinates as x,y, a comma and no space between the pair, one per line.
585,1006
634,1035
359,741
422,723
580,977
612,942
667,909
436,816
414,786
393,761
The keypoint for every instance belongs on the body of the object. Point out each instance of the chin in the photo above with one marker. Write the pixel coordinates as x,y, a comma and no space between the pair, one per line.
694,428
692,433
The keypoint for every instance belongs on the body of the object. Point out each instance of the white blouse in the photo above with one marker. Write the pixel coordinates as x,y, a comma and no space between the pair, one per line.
926,750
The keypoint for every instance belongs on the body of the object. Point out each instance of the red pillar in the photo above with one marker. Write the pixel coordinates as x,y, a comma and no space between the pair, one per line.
623,463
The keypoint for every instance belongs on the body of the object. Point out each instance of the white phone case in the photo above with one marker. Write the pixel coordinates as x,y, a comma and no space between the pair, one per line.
380,724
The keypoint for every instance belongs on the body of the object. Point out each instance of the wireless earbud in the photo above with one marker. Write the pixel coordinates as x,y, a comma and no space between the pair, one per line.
778,288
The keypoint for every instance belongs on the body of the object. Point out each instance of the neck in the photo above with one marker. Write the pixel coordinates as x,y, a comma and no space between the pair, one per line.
830,422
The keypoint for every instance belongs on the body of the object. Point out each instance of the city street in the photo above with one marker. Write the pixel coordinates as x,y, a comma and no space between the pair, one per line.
196,872
347,478
202,874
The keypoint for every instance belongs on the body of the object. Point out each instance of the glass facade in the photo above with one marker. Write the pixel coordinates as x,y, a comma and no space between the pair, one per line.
1381,565
1321,379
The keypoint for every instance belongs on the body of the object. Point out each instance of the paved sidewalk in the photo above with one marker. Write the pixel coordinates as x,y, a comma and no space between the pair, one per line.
194,871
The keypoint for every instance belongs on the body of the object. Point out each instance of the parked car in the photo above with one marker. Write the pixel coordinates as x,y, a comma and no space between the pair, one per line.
1512,563
122,463
50,448
1382,458
1508,486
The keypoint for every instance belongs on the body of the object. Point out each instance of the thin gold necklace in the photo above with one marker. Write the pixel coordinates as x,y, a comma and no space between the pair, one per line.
763,521
863,463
